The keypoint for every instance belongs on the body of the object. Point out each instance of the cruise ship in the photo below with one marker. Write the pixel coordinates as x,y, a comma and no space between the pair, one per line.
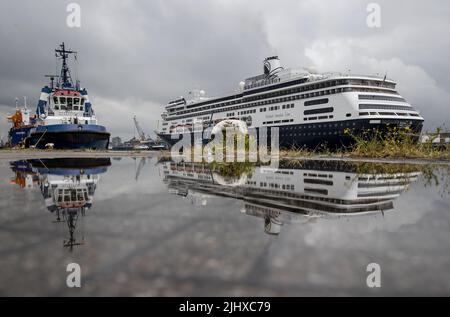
309,109
292,194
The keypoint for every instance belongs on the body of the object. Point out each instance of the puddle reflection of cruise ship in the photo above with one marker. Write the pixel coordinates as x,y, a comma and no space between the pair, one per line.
312,189
67,186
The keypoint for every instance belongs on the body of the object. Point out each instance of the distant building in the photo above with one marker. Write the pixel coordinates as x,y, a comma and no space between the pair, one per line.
116,141
441,138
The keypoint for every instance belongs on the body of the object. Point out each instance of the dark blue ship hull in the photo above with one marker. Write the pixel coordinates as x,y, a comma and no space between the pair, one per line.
327,135
71,166
17,135
69,136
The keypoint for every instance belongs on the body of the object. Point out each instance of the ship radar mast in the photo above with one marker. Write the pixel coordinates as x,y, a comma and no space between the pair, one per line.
63,54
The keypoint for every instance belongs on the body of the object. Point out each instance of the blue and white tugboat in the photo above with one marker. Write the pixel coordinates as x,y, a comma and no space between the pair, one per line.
64,115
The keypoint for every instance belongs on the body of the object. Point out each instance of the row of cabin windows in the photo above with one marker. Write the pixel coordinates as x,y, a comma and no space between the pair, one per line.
389,114
318,181
284,172
302,96
319,126
318,118
383,98
314,133
298,195
384,107
288,106
275,108
208,109
247,112
262,83
317,175
68,101
316,102
318,111
326,84
175,110
69,107
279,121
72,195
277,186
311,118
365,82
321,86
316,191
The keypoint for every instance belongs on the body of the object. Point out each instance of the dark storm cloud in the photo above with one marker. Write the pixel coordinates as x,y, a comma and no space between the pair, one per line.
136,55
148,51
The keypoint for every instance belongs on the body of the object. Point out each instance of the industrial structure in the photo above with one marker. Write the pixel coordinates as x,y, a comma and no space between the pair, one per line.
140,141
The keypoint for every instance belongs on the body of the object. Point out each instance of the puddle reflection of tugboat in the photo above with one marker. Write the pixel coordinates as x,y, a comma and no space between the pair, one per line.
67,186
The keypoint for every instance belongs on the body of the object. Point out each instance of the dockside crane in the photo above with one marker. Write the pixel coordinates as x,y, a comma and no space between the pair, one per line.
145,140
142,136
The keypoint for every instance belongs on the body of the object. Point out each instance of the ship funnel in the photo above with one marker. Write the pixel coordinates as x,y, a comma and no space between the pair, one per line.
272,66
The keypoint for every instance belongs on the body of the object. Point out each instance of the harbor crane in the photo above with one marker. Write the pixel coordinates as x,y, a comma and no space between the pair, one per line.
142,137
145,140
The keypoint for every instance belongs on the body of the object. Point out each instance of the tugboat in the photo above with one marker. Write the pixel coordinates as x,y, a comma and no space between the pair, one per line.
64,115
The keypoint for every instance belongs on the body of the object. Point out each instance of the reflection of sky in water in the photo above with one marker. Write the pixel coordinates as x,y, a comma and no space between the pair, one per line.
182,233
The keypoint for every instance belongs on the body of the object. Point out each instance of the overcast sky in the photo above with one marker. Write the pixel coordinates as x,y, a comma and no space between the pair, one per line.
134,56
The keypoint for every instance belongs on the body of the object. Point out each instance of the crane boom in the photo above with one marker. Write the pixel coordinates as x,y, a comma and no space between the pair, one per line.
139,129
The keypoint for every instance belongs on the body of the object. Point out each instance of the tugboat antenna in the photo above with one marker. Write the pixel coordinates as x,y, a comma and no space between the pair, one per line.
52,79
64,55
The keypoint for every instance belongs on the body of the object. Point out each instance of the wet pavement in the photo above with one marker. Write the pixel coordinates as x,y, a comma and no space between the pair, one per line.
146,228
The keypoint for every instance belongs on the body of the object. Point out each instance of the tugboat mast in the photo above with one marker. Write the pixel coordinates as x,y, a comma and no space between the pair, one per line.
65,72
